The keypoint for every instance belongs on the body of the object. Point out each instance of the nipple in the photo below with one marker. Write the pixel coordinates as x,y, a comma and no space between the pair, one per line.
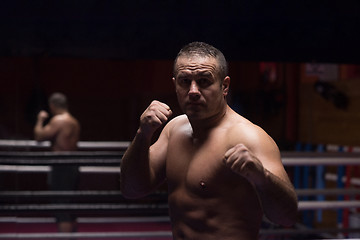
202,184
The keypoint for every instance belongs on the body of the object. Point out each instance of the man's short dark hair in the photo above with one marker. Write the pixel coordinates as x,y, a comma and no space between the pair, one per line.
59,100
204,50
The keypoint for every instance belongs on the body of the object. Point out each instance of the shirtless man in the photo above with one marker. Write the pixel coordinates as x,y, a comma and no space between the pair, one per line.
63,130
223,172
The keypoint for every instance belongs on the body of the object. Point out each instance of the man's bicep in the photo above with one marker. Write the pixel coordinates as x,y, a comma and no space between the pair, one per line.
271,160
49,131
158,155
267,152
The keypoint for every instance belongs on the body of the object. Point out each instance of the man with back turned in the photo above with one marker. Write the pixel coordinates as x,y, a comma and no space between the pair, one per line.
63,130
223,172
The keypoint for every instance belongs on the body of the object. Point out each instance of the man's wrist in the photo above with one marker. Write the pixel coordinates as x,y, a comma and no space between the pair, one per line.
40,122
141,133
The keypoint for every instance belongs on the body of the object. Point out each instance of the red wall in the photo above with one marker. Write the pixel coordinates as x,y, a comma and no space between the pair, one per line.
104,95
107,96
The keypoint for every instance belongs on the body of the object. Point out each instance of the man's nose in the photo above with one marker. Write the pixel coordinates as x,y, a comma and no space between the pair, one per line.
194,89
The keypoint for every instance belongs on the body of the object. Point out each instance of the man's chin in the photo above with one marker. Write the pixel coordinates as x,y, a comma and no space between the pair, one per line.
194,114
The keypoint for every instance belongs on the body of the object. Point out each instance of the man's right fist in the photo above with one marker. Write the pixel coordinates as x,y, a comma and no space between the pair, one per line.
42,115
154,116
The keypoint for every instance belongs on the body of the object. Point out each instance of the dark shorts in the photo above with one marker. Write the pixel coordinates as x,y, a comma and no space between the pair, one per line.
64,178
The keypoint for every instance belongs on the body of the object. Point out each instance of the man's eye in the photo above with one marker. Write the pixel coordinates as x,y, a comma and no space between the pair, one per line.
204,82
184,81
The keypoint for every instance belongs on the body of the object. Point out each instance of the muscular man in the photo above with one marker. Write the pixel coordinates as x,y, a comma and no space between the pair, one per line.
63,130
223,172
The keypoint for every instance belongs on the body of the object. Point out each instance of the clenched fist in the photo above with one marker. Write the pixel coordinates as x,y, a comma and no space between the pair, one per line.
154,116
241,161
42,116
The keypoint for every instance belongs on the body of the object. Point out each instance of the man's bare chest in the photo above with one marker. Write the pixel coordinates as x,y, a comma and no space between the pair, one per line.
197,166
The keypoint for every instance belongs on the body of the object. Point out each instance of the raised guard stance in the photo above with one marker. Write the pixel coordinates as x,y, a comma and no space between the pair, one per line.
63,130
223,172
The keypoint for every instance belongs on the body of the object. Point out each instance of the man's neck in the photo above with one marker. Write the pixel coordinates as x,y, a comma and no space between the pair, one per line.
201,127
60,111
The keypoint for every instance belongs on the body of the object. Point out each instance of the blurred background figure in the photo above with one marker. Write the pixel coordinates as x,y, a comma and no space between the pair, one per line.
63,130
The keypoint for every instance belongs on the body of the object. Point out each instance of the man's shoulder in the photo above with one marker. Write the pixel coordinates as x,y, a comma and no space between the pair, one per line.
64,118
177,124
242,129
240,123
178,120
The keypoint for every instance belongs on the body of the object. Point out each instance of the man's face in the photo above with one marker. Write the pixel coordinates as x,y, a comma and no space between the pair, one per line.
198,86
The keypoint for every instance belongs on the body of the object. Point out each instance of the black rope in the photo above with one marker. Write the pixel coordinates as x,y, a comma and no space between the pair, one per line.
92,158
94,195
87,208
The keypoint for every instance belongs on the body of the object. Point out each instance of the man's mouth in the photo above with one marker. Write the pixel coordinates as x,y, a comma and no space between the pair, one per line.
195,104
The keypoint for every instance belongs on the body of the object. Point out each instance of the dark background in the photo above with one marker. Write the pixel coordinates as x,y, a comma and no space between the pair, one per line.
244,30
111,58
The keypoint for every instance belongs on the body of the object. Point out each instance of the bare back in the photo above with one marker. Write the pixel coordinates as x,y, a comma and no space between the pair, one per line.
206,199
67,134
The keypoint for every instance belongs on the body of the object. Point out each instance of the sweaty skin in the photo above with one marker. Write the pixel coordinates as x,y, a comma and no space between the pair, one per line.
223,172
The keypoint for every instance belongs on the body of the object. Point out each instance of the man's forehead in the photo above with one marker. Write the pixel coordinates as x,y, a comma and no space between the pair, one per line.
194,61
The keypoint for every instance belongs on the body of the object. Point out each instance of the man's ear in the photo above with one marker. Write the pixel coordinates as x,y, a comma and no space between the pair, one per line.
226,85
174,82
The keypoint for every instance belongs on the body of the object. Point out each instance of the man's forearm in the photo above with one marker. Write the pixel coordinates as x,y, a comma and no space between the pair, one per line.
137,175
135,172
38,130
278,199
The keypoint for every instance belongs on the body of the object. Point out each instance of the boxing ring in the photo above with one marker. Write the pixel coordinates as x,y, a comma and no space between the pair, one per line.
106,214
